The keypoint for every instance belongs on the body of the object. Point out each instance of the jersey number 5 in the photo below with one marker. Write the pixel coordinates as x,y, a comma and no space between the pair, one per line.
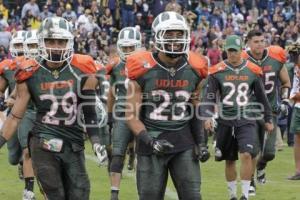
269,82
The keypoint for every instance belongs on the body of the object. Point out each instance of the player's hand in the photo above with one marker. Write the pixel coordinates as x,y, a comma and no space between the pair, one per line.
100,152
201,153
161,146
208,125
2,104
10,102
269,127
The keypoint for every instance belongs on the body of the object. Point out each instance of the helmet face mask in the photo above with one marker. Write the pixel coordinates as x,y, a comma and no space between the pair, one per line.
172,41
55,40
16,46
56,50
129,40
171,34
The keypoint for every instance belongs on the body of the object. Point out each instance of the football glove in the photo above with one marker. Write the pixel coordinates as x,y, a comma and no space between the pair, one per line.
158,146
201,153
100,152
284,107
161,146
2,104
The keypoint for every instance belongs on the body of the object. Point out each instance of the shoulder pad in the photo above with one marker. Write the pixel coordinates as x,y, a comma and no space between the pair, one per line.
26,70
199,63
84,63
139,63
17,62
216,68
254,68
277,53
5,64
112,63
245,55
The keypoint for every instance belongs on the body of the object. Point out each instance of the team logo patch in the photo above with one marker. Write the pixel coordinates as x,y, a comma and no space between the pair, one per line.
28,69
238,42
172,71
146,65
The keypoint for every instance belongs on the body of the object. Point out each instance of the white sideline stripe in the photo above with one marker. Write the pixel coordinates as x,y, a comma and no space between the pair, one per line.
169,193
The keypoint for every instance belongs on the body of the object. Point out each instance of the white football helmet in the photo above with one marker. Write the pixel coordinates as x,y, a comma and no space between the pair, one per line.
60,29
31,39
18,38
168,21
127,37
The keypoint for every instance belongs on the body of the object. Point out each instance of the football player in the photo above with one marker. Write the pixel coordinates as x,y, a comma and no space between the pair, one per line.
17,146
162,95
271,60
60,85
235,79
26,124
7,70
129,41
295,122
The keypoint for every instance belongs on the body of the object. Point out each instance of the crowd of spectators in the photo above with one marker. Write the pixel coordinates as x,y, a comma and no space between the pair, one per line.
97,22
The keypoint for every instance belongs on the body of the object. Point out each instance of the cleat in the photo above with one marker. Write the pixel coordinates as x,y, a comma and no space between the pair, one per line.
233,198
261,176
295,177
28,195
243,198
252,189
114,196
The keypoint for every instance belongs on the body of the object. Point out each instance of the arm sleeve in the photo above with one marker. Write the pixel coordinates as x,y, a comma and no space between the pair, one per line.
295,86
261,97
207,109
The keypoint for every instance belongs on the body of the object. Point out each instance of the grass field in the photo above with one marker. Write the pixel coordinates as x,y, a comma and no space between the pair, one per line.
213,181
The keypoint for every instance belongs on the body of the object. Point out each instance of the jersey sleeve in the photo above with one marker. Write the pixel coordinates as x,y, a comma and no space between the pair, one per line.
84,63
199,64
216,68
277,53
111,64
138,64
254,68
3,64
26,70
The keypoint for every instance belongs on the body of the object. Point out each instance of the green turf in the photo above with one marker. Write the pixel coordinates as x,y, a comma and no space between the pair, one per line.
213,181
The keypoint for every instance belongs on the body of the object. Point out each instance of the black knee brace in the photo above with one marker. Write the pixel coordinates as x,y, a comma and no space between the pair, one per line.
268,157
117,163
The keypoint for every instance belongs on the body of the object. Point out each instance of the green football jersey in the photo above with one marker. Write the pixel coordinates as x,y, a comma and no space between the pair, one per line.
116,70
8,70
235,85
167,92
56,95
271,64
